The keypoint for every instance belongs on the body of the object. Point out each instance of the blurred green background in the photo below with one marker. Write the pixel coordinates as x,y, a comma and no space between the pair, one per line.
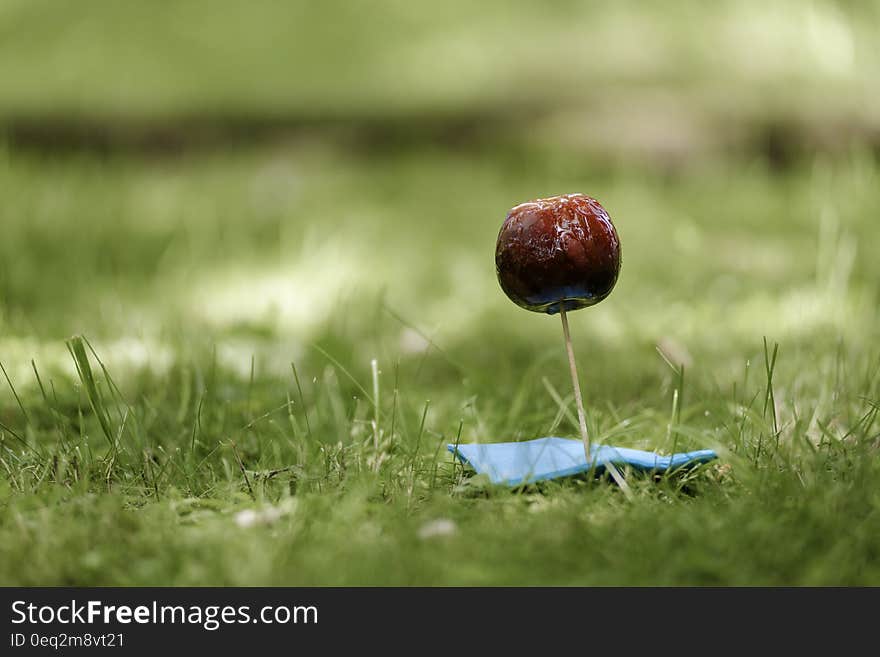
271,163
201,186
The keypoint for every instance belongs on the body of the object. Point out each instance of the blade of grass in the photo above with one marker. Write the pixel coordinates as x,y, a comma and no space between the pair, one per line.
24,412
96,401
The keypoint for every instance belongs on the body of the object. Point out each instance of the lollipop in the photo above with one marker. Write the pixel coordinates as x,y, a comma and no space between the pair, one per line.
555,255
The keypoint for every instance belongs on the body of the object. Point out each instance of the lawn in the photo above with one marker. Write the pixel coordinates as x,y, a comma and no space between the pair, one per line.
238,362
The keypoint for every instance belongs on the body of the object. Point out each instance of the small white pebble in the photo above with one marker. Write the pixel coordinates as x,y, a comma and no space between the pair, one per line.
438,527
247,518
268,515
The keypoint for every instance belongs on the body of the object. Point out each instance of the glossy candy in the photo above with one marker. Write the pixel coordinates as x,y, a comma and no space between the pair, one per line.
558,250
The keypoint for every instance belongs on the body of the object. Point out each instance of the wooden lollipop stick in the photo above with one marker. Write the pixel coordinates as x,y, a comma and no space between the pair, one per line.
582,416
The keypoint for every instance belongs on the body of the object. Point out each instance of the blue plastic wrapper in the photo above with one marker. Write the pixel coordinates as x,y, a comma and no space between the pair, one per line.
551,458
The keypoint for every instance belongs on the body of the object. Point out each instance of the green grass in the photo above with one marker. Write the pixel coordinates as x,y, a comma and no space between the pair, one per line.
201,282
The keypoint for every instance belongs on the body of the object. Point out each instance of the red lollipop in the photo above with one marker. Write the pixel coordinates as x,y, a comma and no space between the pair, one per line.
558,254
